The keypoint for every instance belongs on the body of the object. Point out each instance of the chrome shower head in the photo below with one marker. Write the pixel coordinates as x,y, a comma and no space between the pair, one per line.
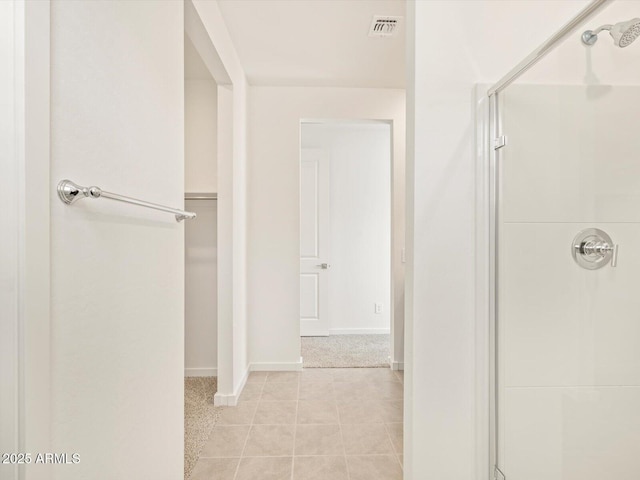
623,33
626,32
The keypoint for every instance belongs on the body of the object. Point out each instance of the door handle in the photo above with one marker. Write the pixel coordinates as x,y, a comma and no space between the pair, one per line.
324,266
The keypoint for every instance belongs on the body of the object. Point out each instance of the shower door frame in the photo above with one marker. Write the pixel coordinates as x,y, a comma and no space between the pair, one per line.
491,139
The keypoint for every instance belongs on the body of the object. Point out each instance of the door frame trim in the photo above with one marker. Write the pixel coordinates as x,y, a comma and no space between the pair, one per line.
397,322
484,285
32,100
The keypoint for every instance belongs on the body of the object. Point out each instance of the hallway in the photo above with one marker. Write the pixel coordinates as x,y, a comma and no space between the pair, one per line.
318,424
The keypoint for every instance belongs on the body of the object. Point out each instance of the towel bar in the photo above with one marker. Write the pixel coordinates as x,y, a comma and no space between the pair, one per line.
69,192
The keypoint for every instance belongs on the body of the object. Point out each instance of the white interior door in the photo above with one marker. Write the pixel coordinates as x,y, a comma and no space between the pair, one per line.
314,234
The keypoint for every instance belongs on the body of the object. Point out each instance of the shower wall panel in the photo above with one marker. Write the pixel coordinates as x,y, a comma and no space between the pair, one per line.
569,338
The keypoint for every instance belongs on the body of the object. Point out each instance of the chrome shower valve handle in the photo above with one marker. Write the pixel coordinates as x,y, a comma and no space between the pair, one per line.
601,249
593,248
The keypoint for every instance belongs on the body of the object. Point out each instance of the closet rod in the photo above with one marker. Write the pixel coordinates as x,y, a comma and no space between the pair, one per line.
200,196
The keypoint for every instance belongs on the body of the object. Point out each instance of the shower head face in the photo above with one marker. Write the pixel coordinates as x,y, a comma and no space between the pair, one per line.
624,33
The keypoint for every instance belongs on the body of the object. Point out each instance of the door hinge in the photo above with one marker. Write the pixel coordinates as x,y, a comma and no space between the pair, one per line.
497,474
499,142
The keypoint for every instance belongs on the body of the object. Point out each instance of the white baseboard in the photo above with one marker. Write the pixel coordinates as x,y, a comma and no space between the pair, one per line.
359,331
231,400
200,372
397,365
277,366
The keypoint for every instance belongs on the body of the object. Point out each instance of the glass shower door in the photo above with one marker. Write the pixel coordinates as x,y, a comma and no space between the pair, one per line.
568,315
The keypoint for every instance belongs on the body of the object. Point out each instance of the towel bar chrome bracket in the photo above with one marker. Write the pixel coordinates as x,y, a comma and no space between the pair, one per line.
70,192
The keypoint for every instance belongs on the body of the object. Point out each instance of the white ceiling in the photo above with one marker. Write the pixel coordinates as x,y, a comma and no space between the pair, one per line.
316,42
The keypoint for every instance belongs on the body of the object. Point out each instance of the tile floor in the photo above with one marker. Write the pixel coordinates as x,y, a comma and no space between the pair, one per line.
318,424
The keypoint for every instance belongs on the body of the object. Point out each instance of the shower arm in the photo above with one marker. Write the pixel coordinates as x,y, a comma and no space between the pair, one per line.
591,36
600,29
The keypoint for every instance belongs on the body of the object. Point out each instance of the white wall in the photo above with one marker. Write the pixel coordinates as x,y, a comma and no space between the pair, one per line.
233,360
359,223
201,290
601,64
491,37
201,135
117,340
201,175
273,200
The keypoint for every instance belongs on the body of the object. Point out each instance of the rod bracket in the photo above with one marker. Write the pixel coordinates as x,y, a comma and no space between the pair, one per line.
70,192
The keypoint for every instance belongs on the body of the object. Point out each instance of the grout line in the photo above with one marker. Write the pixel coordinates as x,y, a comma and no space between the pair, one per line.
344,448
295,430
255,412
262,390
310,455
235,475
393,447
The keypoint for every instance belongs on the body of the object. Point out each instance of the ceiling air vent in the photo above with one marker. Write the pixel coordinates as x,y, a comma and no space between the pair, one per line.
383,26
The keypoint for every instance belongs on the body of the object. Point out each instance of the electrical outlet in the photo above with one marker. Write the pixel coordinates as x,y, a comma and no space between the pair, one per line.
377,307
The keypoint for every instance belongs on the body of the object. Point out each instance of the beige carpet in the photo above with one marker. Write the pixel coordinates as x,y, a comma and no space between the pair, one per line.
345,351
199,417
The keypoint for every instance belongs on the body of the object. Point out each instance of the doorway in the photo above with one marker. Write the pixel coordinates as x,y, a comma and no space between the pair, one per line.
200,235
201,252
345,243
